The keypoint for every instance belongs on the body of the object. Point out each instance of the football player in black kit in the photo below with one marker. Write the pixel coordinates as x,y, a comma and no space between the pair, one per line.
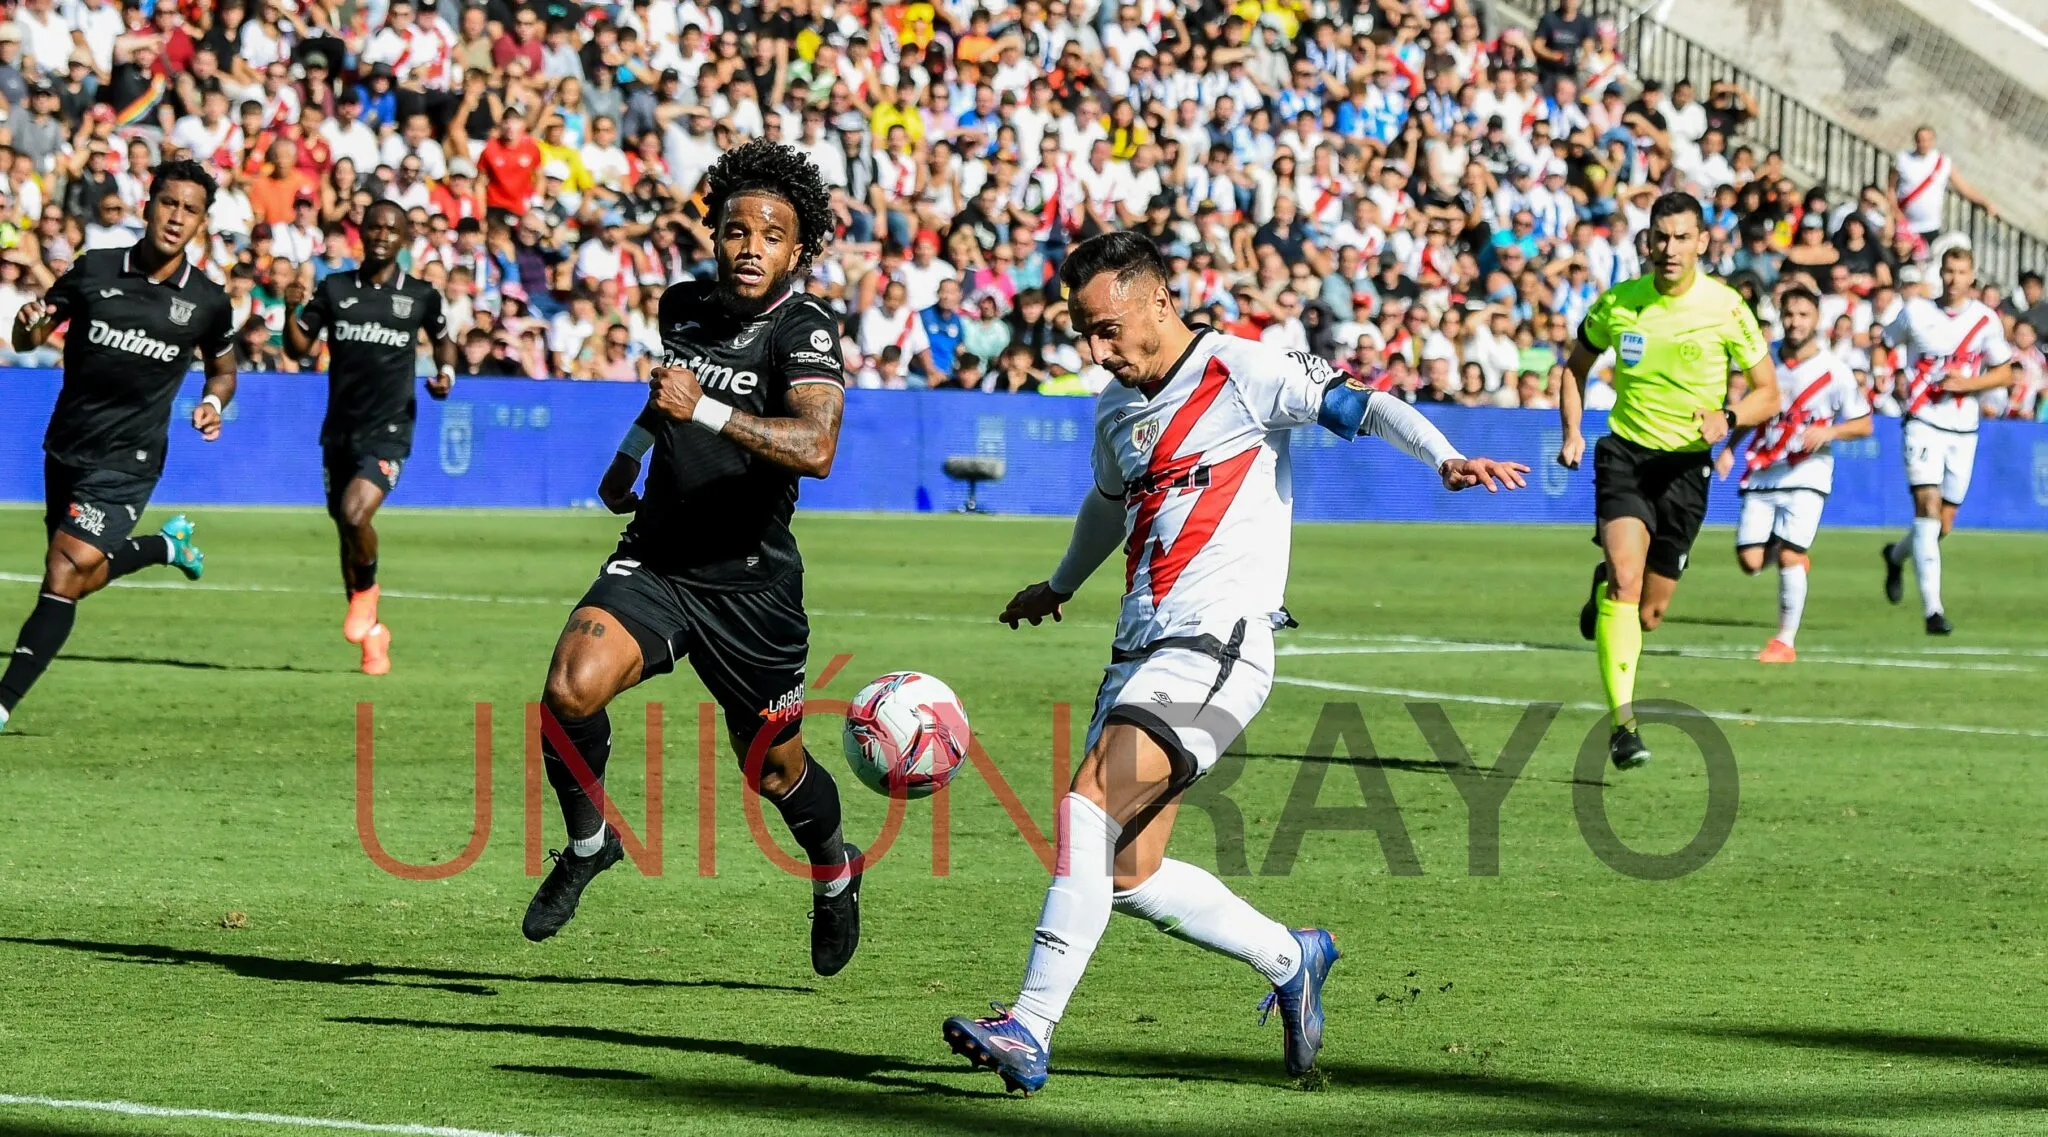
748,400
373,318
138,315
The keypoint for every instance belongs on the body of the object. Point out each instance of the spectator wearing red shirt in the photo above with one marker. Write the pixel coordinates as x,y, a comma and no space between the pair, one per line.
523,41
511,167
457,197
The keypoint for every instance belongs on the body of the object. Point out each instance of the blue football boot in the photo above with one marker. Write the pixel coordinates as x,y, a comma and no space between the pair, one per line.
185,556
1002,1044
1300,1000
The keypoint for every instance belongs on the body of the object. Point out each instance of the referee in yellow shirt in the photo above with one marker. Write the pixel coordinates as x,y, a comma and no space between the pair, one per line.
1679,337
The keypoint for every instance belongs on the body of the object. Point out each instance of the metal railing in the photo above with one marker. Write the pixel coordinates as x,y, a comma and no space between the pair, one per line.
1811,142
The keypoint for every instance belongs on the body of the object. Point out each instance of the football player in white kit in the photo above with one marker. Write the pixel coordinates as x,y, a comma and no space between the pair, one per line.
1193,479
1789,466
1951,351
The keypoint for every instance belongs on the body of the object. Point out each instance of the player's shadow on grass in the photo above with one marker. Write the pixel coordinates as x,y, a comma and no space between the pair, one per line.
1990,1051
800,1061
205,664
1717,622
368,974
576,1073
1542,1105
1407,766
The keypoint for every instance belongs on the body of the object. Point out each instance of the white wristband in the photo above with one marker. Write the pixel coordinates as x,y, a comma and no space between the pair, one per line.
638,441
214,401
711,414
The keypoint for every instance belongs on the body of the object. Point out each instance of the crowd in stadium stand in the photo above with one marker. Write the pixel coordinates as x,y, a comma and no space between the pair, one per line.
1428,200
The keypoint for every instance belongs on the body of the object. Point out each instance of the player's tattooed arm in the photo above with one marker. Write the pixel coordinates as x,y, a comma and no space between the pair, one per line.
806,441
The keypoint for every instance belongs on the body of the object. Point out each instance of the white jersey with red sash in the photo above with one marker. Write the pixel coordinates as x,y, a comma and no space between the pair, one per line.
1936,341
1923,184
1815,392
1202,467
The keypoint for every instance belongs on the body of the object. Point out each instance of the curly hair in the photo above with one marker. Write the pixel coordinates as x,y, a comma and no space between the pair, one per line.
761,166
184,170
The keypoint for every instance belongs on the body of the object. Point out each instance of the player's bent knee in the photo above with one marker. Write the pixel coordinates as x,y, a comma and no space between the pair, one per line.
1750,559
575,691
1650,617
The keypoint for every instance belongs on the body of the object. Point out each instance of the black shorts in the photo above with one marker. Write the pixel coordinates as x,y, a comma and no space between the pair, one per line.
749,648
340,465
99,507
1664,489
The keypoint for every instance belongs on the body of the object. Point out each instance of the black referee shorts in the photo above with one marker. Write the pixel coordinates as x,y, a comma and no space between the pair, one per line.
749,648
340,465
1664,489
97,506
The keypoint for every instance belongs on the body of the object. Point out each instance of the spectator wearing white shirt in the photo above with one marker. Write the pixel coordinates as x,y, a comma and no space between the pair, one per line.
607,257
602,158
894,323
101,23
300,240
1108,193
409,188
112,226
46,39
416,139
348,136
1286,331
922,274
207,132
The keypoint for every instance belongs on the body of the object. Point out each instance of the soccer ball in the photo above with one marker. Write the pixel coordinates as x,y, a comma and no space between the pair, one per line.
905,733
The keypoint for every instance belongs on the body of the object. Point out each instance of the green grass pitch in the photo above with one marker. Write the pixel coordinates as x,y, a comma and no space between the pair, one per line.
1863,956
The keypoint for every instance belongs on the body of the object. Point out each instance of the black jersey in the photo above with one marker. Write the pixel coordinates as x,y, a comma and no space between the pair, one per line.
130,343
372,354
713,514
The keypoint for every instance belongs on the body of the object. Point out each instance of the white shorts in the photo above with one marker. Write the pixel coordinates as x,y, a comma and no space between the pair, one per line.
1790,516
1936,457
1174,695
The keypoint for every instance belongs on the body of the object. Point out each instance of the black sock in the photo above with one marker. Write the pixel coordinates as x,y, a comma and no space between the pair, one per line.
139,553
811,810
592,738
42,637
365,577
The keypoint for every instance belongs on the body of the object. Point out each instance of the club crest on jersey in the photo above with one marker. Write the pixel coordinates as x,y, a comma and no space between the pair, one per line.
1145,435
401,306
181,311
1631,347
750,334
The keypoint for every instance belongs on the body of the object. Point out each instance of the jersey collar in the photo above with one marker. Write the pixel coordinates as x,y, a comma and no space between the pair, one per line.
183,274
397,281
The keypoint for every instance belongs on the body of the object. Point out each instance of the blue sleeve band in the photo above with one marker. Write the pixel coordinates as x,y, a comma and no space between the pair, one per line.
1344,408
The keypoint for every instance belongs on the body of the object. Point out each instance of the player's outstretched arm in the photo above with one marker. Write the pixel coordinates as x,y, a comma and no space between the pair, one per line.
1990,379
1758,405
33,324
300,341
806,440
1571,405
220,391
1417,437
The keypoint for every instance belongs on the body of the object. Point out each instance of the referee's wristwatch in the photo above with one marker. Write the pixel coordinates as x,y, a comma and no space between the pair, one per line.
1728,412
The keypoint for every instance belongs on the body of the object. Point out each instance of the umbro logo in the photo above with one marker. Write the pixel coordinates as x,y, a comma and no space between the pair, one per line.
348,303
108,292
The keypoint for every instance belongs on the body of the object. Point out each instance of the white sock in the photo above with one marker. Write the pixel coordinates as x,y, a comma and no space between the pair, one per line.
1927,562
1900,550
834,884
1076,910
1189,904
1791,600
586,846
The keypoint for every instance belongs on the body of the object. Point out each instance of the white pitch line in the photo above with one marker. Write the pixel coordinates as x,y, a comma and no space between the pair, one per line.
1446,648
134,1110
1787,720
1346,643
1454,647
